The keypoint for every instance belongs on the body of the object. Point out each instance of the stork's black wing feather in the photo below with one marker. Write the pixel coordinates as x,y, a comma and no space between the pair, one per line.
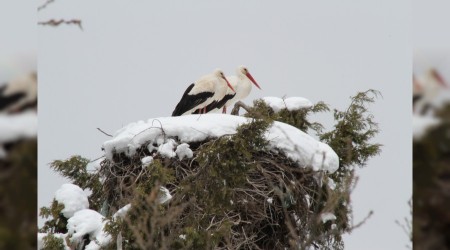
2,88
189,102
222,102
217,104
7,100
416,98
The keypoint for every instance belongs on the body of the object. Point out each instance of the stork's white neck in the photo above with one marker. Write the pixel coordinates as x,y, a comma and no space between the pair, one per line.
244,86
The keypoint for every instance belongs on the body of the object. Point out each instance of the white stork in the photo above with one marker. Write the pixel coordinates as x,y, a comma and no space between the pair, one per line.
430,85
206,90
19,94
241,83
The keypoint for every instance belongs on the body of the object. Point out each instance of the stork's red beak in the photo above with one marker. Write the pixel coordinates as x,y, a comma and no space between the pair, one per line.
440,79
253,80
229,85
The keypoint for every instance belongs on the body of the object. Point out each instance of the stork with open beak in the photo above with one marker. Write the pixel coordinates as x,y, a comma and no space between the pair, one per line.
19,94
242,83
206,90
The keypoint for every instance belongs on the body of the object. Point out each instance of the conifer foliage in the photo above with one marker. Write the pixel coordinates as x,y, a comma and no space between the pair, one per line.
431,185
18,195
233,193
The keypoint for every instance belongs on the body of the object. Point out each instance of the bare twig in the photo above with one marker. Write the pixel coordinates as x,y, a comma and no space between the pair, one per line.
55,23
99,129
362,222
44,5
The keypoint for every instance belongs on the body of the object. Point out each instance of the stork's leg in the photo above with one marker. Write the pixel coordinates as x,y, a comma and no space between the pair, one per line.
204,110
224,110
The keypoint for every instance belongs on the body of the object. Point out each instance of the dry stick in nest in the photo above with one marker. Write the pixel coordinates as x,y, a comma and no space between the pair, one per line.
238,105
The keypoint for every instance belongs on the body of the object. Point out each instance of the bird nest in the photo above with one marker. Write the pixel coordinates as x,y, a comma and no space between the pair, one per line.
232,194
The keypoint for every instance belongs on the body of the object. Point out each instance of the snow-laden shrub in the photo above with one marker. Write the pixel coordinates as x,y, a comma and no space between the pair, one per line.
247,184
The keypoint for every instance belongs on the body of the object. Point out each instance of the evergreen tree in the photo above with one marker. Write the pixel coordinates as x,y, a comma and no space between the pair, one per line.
431,186
234,193
18,195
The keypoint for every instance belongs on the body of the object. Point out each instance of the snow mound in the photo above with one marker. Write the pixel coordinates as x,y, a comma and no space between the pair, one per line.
122,212
88,222
94,165
146,160
183,150
164,196
167,149
18,126
327,217
73,198
290,103
421,125
294,143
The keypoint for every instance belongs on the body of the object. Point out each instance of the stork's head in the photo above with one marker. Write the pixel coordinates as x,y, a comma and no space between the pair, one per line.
219,73
242,70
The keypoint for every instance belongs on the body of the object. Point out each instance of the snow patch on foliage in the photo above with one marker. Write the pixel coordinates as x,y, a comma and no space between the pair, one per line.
167,149
183,151
331,183
95,165
164,195
327,217
122,212
73,198
88,222
294,143
146,160
290,103
302,148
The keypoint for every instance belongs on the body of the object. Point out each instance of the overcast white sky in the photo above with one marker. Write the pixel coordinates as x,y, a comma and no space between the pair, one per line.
431,37
18,41
133,61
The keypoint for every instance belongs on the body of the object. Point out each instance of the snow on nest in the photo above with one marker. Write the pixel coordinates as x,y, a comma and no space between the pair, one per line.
146,160
18,126
290,103
422,124
164,195
294,143
166,149
73,198
327,217
122,212
183,150
88,222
